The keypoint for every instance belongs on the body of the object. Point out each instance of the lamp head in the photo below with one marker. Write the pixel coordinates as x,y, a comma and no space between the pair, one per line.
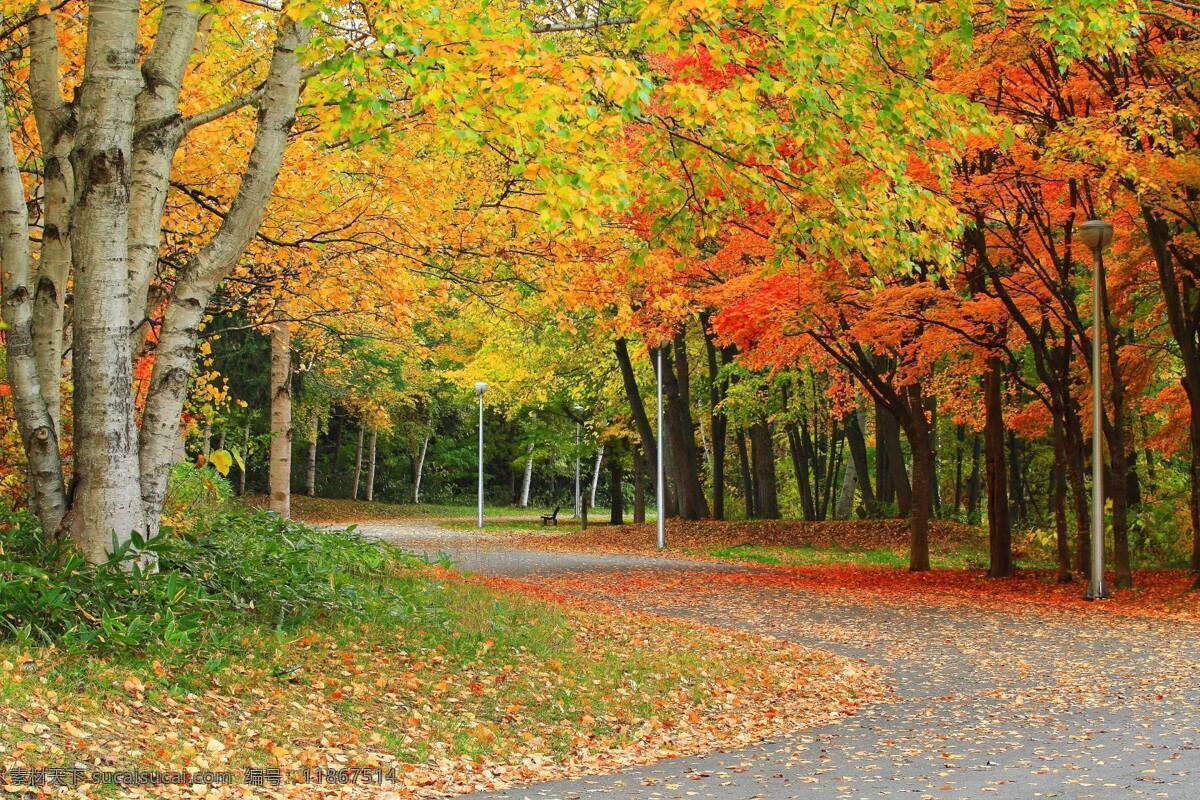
1096,234
480,388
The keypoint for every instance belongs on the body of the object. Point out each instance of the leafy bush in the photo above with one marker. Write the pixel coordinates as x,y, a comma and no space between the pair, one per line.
237,566
195,493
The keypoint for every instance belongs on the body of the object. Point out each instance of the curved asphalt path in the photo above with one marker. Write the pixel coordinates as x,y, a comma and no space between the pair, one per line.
990,705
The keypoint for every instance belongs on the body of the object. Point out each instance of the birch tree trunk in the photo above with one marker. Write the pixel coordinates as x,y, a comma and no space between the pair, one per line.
38,430
845,503
527,480
596,474
420,470
56,128
357,464
371,467
280,477
106,505
176,348
106,160
310,483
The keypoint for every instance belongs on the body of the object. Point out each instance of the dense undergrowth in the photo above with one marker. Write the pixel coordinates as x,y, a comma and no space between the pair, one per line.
218,567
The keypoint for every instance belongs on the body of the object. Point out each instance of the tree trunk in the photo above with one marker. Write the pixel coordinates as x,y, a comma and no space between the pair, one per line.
639,488
718,423
1016,480
527,478
596,474
310,484
999,529
681,439
1075,476
763,457
106,502
922,495
1178,298
280,476
371,467
419,470
358,453
1058,480
637,409
748,488
616,494
890,472
31,406
959,436
800,467
845,503
858,454
973,482
1194,470
200,276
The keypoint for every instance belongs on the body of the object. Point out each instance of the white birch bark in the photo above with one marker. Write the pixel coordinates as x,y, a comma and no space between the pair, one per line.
38,432
310,484
705,443
596,475
106,505
280,476
55,121
175,352
527,480
357,464
420,470
845,504
371,467
159,130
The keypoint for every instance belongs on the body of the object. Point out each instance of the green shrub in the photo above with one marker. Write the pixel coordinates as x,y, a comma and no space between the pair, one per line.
195,493
231,569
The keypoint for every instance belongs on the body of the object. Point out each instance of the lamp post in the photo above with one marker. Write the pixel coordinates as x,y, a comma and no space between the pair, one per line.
660,493
480,388
578,456
1096,234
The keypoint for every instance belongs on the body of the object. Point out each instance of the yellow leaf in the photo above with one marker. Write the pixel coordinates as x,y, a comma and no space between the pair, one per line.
221,461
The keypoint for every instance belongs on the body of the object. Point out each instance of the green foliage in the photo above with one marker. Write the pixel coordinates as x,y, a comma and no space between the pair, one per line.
233,567
196,492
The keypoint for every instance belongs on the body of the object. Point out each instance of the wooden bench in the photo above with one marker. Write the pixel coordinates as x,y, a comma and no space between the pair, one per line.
551,518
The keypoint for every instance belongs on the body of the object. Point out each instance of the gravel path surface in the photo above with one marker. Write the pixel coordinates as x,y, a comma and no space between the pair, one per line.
990,705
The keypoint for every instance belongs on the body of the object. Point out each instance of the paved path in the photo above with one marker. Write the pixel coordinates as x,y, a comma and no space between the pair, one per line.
989,705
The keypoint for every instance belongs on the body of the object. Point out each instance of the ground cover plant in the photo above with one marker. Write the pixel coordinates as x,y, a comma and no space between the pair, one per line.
323,648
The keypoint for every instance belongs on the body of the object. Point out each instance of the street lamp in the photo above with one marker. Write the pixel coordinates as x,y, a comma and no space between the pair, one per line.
578,455
660,489
480,388
1096,234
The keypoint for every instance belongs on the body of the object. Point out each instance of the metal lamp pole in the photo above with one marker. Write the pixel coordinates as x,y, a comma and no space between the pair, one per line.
660,489
480,388
578,456
1096,234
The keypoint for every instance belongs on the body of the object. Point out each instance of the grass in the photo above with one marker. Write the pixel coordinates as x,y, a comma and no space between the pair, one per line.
447,671
385,661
